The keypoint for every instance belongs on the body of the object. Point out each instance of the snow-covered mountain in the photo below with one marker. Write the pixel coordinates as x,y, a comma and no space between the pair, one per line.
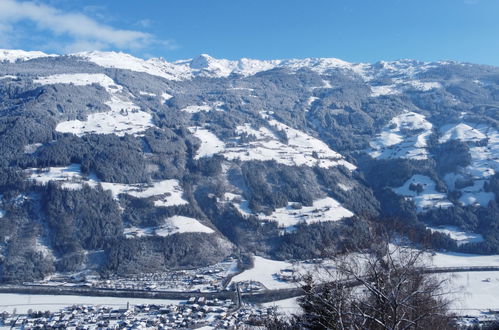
108,158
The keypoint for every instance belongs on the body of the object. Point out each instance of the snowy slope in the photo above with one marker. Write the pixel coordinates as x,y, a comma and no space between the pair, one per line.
173,225
484,160
11,55
405,136
300,149
426,199
322,210
123,118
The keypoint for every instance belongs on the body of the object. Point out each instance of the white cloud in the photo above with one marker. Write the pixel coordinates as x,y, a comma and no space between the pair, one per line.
83,32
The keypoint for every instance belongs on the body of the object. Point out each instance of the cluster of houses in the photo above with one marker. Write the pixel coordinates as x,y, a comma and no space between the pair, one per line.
195,313
205,279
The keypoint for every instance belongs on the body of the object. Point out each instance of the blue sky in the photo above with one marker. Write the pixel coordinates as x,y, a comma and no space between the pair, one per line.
353,30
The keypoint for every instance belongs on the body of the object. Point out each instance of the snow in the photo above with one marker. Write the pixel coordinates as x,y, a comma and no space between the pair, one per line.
460,236
12,56
285,307
32,148
146,93
462,132
23,302
123,118
455,259
173,225
484,160
70,176
203,107
322,210
181,224
210,143
405,136
300,149
81,79
428,198
265,271
155,67
383,90
165,97
166,193
474,293
207,66
424,86
241,204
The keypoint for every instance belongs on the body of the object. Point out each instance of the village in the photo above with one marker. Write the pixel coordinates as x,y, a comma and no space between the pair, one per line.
194,313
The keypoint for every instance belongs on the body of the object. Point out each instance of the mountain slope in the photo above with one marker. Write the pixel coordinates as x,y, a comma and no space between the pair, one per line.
118,164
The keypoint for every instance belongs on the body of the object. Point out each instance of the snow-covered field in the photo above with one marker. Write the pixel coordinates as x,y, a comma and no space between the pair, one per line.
322,210
173,225
460,236
484,160
13,55
8,77
23,302
203,108
300,149
426,199
455,259
70,176
265,271
286,306
405,136
123,118
424,86
166,193
384,90
474,292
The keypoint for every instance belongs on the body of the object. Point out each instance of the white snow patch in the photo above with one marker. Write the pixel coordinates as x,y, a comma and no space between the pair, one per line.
166,192
265,271
405,136
429,198
484,160
146,93
81,79
474,293
12,56
210,143
203,107
8,77
462,132
241,204
181,224
32,148
165,97
344,187
322,210
382,90
173,225
155,66
300,149
460,236
424,86
70,176
288,307
123,118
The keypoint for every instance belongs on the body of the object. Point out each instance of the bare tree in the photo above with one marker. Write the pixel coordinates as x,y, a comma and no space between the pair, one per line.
383,289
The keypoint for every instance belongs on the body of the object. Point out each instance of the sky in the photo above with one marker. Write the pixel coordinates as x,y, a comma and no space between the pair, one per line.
352,30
